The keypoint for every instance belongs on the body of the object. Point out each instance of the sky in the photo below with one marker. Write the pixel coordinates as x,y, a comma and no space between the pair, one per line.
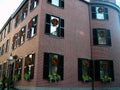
7,7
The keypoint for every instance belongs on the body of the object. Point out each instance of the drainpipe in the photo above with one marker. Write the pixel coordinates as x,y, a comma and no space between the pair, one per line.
90,26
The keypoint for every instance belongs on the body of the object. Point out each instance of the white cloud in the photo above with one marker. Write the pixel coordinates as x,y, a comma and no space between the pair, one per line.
7,7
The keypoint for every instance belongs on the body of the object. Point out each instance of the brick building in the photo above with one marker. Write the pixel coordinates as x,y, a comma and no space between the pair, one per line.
62,45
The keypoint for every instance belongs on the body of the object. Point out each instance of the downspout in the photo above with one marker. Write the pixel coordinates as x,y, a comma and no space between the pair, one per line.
90,26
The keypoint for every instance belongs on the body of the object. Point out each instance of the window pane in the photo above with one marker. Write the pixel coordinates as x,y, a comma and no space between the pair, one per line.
55,2
54,25
102,37
100,13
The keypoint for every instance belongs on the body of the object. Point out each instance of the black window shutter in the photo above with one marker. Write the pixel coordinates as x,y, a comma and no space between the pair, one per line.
48,18
35,29
32,72
12,47
33,58
46,66
61,3
105,10
35,22
26,70
31,6
61,66
108,37
111,70
47,27
93,15
61,22
91,69
49,1
106,16
95,37
79,69
93,9
20,74
97,70
62,27
62,32
28,34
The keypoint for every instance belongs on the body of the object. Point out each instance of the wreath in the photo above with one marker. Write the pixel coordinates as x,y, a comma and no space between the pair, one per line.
86,63
15,38
54,61
100,10
31,23
102,33
21,33
28,61
54,22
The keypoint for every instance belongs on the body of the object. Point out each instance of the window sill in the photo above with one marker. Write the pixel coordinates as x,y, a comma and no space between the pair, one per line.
31,37
56,6
53,36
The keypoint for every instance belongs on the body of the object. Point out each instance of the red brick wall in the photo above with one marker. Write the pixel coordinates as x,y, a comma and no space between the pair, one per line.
109,52
74,45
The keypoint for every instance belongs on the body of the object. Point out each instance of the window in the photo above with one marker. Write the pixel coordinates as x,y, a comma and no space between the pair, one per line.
1,35
59,3
0,51
33,4
4,71
9,27
17,19
32,27
18,69
7,46
22,35
15,41
29,67
53,67
101,37
85,68
54,26
104,70
3,49
4,33
99,12
1,71
24,11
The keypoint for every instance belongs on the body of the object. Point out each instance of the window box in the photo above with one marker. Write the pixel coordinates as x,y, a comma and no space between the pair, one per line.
27,76
54,77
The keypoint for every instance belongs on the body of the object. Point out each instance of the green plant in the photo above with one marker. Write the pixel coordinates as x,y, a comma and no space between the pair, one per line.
4,79
86,78
106,78
27,76
54,77
16,77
